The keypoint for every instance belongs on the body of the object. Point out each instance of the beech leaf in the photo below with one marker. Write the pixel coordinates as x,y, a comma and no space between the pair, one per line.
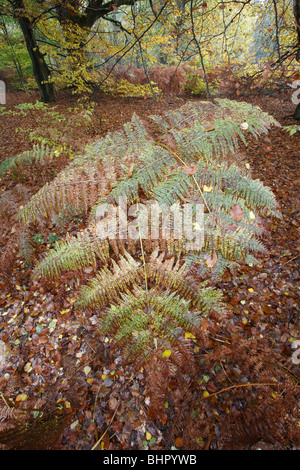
210,260
167,353
236,212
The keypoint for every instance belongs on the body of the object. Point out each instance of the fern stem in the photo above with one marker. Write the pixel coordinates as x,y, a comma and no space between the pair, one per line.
106,430
143,254
183,162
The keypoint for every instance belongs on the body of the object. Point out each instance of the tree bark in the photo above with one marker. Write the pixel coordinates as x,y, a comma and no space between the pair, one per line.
41,71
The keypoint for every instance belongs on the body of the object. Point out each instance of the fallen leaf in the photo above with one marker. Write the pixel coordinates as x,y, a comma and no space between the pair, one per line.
189,335
21,397
210,260
113,403
130,171
28,367
236,212
207,189
178,442
167,353
204,325
209,127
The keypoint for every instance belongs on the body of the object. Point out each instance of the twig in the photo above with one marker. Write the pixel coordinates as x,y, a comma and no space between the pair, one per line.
295,257
106,430
236,386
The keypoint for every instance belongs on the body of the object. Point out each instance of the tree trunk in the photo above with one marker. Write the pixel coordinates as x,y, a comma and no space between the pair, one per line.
297,18
296,114
40,68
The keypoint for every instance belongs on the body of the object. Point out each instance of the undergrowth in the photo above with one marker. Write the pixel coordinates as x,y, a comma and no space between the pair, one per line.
143,288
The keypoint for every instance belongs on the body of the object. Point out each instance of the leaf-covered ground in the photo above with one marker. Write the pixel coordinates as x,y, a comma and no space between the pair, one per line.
51,357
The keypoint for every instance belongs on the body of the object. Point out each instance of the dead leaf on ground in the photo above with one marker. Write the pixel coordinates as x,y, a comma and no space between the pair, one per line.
236,212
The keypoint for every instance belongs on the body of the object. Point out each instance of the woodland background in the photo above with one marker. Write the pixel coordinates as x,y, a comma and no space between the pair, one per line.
76,73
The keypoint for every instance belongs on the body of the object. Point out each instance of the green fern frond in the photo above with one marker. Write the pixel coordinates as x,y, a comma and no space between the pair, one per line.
79,187
232,181
71,254
150,169
175,187
147,320
39,153
107,285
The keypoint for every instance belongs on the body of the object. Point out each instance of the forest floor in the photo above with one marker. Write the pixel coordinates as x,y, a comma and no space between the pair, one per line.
53,356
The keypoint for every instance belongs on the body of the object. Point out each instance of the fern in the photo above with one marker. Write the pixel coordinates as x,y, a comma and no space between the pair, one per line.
39,153
144,320
149,292
73,253
107,285
293,129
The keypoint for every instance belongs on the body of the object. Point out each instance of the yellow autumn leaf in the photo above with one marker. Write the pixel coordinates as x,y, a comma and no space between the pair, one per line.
87,370
28,367
21,397
167,353
64,311
148,436
207,189
209,127
205,394
189,335
250,289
